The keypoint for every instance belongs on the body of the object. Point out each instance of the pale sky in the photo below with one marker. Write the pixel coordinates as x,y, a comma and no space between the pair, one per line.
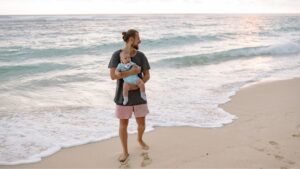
18,7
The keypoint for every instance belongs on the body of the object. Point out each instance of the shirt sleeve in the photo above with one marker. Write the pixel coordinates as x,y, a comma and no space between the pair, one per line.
115,60
145,65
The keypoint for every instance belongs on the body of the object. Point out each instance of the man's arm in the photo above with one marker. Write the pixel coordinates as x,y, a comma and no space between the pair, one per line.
146,76
115,74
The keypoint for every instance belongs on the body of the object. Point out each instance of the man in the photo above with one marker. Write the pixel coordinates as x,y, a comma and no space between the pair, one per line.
135,104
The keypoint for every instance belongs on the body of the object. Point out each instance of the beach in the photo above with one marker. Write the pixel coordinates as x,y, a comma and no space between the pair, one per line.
57,98
266,134
56,91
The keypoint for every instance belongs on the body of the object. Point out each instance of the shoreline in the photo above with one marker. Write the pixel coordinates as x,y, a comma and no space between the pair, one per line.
253,140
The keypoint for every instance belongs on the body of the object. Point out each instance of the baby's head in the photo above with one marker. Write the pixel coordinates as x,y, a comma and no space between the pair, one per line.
125,56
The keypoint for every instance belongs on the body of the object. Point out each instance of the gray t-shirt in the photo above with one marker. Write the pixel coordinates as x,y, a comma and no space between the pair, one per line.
134,97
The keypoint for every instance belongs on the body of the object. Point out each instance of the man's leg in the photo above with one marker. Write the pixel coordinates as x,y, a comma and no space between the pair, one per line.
141,128
123,136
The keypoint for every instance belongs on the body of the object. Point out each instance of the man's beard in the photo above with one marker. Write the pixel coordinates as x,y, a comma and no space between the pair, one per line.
135,47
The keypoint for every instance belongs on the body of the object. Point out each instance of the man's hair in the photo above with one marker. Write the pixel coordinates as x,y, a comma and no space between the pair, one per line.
128,34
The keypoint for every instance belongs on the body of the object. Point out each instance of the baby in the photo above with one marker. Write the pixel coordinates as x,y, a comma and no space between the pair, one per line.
125,65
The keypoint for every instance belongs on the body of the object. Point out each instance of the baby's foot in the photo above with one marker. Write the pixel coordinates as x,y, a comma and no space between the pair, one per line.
143,96
125,101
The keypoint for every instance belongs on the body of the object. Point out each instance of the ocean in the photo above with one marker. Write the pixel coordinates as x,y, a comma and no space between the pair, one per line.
56,91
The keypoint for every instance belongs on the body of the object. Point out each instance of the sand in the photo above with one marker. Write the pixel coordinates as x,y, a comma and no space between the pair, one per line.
266,135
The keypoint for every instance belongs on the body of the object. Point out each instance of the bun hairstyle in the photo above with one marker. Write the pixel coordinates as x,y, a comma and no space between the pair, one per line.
128,34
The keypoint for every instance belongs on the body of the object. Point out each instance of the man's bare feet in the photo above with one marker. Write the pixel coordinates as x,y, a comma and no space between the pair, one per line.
143,145
123,157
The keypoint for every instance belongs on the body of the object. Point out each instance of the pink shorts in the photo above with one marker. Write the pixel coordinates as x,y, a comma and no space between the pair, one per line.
125,112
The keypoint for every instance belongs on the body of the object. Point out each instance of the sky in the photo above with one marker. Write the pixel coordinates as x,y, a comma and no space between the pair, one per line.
31,7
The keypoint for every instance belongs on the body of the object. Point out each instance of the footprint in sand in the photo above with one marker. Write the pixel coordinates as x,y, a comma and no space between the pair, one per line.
124,165
259,149
273,143
296,135
291,162
284,168
146,159
278,157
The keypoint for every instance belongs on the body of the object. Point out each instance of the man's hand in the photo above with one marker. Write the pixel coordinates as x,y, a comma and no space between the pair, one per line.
117,73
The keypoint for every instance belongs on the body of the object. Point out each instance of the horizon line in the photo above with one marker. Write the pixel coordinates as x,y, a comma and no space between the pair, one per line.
275,13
